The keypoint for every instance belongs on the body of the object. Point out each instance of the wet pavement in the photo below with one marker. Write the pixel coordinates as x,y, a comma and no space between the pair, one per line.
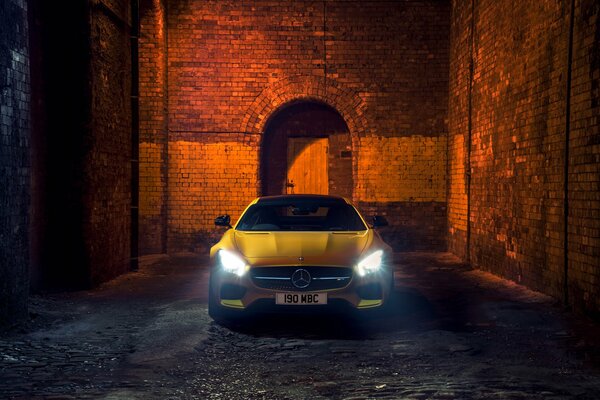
452,333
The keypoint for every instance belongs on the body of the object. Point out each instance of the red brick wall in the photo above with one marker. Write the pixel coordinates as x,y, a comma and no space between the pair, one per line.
209,175
107,149
395,55
517,157
231,65
153,127
458,123
584,160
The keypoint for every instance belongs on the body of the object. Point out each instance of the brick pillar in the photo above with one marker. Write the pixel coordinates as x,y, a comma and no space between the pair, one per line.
107,181
153,128
14,160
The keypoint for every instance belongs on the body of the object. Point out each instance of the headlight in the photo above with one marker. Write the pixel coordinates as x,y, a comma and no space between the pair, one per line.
232,263
370,264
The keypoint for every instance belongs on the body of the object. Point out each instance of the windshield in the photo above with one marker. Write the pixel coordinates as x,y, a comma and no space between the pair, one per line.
301,217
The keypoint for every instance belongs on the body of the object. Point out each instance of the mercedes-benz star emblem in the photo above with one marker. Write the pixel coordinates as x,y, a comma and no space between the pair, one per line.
300,258
301,278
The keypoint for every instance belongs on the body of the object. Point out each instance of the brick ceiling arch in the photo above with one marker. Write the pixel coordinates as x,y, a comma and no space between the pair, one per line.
300,87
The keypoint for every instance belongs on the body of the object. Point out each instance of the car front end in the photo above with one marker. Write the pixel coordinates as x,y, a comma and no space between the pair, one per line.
283,270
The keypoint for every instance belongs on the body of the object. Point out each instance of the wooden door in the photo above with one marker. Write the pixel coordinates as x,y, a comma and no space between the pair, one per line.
307,166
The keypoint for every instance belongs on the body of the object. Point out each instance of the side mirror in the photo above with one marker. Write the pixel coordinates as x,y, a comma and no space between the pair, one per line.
379,221
223,220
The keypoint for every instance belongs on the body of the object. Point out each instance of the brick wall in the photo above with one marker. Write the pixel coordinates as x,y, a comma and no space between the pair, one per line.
209,175
81,143
14,160
518,143
153,127
404,179
107,181
395,56
233,65
584,160
458,125
414,168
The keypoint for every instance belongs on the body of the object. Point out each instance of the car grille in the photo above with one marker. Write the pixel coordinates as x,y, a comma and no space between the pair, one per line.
280,278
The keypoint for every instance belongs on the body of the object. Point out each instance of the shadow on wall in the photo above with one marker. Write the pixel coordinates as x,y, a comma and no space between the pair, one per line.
203,240
413,226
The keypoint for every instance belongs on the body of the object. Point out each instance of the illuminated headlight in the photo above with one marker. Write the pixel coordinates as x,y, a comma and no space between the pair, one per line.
232,263
370,264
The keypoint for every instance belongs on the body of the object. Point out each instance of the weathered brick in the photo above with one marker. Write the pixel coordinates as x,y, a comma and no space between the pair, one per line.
14,160
107,161
232,66
518,143
153,127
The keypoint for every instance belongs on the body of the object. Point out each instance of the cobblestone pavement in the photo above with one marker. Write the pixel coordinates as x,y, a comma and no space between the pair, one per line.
453,333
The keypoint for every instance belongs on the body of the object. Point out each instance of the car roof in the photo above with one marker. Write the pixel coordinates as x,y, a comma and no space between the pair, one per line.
308,198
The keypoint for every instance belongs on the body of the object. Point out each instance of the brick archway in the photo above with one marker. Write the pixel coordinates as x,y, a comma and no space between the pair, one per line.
318,131
298,88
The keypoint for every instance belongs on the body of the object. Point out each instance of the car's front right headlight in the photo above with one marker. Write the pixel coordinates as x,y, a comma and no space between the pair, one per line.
232,263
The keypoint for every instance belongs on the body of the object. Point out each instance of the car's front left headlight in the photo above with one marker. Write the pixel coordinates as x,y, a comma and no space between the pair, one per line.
232,263
370,264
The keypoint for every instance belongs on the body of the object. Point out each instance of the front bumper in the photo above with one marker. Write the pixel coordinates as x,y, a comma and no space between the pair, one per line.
242,293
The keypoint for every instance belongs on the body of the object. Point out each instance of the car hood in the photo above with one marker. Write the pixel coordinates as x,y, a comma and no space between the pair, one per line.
322,248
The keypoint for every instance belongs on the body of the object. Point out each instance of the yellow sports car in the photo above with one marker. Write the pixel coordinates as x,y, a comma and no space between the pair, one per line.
293,252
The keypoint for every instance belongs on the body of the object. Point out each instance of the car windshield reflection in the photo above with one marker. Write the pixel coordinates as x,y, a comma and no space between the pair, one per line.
301,217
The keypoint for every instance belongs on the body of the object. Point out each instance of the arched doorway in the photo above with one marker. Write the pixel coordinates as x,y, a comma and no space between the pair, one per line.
306,148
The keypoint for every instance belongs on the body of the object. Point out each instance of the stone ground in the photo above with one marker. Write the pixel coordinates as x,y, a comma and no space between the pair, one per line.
453,333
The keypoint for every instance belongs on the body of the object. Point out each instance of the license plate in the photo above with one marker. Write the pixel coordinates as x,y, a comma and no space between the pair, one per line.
305,299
